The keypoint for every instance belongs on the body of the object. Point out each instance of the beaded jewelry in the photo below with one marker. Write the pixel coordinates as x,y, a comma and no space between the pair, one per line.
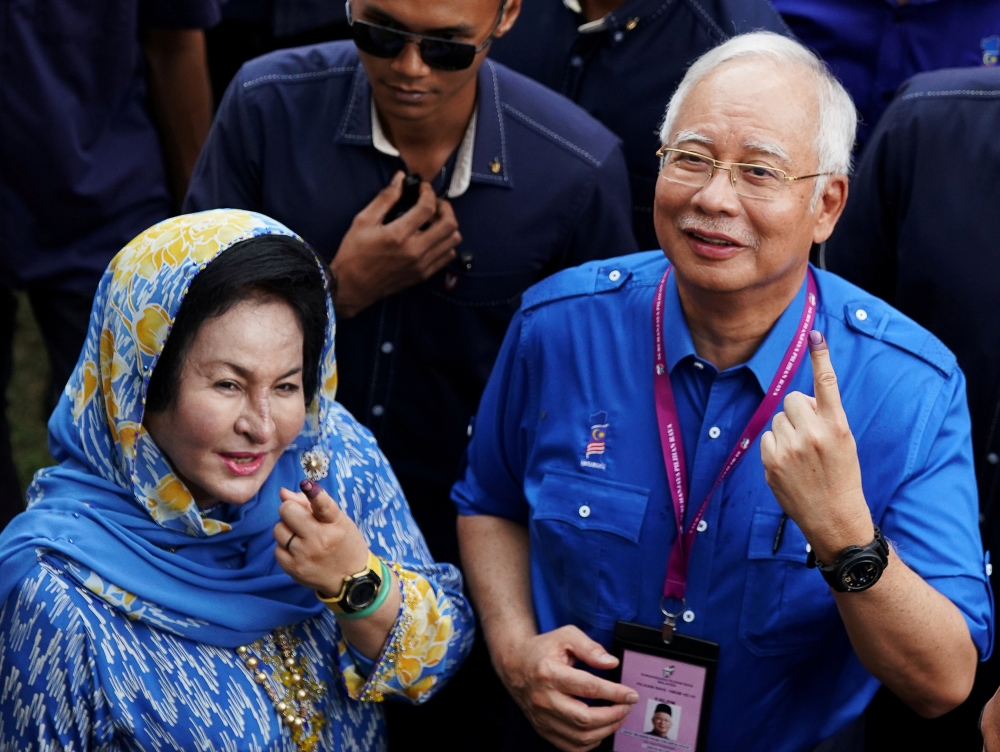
291,688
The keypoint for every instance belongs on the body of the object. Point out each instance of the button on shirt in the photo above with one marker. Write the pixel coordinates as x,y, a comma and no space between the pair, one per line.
579,355
873,46
542,187
920,230
81,165
623,67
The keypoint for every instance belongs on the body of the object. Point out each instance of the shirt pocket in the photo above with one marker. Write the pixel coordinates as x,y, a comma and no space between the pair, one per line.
786,605
587,533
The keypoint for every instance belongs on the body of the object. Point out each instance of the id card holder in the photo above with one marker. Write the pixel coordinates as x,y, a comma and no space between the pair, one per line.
674,682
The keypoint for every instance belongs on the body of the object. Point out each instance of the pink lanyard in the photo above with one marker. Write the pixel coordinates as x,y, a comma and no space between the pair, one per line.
673,448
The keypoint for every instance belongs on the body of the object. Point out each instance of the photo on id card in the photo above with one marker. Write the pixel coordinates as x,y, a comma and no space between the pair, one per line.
674,683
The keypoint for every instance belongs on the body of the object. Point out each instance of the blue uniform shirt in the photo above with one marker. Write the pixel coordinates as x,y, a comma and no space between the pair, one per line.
81,163
623,68
873,46
580,353
543,187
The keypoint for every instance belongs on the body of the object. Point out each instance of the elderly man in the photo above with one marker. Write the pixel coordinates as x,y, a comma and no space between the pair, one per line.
629,386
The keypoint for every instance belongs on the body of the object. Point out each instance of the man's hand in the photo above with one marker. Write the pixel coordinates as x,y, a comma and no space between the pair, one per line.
811,464
327,547
375,260
539,674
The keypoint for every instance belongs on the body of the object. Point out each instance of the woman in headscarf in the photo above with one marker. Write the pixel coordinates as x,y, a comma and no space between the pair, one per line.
151,596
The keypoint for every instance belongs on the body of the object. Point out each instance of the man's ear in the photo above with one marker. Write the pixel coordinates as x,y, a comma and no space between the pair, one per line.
830,206
510,14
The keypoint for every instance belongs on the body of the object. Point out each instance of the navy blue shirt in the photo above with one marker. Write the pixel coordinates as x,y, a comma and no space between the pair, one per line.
580,353
624,72
873,46
81,165
547,189
921,231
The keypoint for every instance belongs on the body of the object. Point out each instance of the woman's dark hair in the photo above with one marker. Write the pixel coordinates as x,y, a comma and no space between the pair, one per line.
265,266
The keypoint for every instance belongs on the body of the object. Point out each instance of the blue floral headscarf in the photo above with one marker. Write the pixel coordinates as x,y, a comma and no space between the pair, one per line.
113,511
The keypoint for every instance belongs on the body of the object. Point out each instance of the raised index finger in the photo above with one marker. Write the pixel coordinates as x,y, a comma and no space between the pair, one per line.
324,508
824,377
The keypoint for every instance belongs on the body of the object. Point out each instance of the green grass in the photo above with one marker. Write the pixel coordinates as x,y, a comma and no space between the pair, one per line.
26,396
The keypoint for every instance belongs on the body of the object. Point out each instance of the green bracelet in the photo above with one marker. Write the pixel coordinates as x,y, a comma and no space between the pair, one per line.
383,593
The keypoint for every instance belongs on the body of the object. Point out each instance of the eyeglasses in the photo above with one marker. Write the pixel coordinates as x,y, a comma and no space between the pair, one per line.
442,54
749,180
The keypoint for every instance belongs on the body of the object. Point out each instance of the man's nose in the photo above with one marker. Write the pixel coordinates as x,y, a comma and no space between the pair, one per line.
409,62
719,196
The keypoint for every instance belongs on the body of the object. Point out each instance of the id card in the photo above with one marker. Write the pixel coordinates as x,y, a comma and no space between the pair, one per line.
674,682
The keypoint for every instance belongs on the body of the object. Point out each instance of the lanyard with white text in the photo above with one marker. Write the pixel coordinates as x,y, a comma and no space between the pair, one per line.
675,584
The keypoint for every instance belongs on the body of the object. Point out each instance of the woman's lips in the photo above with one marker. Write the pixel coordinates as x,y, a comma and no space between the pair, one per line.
712,245
243,463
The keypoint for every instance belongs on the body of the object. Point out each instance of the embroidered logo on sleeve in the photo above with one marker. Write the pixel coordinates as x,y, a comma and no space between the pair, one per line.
596,442
991,49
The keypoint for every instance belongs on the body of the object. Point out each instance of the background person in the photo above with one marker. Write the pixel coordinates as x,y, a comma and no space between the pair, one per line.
518,182
105,107
920,231
147,563
873,46
621,60
557,548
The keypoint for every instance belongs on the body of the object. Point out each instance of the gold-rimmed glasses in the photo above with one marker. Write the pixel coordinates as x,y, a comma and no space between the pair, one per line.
750,180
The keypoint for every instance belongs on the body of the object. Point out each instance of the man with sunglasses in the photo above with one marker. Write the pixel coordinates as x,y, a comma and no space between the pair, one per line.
621,60
518,182
726,456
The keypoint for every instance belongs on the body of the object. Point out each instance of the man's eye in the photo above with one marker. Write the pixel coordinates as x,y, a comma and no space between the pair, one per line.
759,172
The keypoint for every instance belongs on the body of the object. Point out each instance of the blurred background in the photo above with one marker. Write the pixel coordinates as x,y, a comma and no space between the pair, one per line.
26,396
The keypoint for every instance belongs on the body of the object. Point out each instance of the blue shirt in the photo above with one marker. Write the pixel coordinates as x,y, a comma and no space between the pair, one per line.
623,68
545,188
580,353
81,163
873,46
935,155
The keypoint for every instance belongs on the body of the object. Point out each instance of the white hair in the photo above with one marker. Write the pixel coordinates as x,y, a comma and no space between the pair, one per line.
838,120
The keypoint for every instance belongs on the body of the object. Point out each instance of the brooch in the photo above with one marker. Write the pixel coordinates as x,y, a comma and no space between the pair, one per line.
315,464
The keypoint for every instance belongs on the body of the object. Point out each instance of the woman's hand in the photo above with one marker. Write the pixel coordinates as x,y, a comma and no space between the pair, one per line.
318,547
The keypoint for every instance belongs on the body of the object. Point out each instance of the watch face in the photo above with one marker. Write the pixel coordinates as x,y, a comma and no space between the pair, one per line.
362,594
862,575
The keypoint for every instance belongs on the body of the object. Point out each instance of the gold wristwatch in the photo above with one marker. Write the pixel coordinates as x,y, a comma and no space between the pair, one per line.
359,590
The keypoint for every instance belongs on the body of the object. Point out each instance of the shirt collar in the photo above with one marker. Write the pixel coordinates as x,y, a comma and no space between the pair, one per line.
462,174
488,159
763,364
591,26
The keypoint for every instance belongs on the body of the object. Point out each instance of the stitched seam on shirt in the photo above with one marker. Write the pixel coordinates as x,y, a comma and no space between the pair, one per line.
347,117
920,428
296,76
708,19
552,134
951,93
503,137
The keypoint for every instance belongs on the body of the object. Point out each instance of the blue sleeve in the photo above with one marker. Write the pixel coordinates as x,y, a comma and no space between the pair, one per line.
495,459
604,223
932,519
227,174
49,694
180,14
434,629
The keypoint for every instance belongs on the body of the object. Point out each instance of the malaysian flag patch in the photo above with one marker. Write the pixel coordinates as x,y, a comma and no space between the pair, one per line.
596,442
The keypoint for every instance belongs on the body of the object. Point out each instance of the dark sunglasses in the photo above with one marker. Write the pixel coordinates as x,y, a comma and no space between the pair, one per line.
442,54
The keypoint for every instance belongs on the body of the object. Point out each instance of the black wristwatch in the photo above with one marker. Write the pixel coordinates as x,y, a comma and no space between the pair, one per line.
857,568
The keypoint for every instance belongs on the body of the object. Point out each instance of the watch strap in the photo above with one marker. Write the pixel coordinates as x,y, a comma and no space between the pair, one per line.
375,605
337,602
